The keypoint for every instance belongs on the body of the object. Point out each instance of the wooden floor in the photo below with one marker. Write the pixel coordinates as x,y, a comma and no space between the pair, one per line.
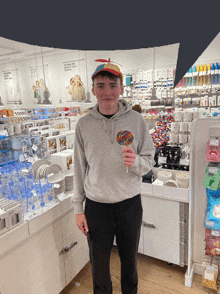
155,277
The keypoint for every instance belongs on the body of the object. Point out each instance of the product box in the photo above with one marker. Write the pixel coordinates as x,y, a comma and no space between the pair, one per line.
19,112
54,132
62,142
29,111
64,159
41,122
4,222
44,128
39,111
32,130
51,144
28,124
68,140
4,112
48,111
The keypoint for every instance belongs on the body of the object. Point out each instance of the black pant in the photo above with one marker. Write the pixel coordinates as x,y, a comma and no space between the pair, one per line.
122,219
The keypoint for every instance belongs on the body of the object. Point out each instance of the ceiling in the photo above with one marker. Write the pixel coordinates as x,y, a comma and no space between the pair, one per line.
12,50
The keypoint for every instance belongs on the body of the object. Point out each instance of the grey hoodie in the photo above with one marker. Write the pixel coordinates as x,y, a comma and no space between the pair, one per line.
99,171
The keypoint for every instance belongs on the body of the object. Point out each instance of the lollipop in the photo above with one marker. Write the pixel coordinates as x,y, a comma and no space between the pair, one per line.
124,138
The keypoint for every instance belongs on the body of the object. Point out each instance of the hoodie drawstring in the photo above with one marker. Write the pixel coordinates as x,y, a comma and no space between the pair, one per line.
112,138
105,128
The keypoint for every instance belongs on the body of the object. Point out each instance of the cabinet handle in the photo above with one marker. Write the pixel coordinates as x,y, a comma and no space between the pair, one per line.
67,248
148,225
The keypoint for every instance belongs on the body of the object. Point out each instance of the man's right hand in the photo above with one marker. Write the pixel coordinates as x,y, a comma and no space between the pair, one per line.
82,223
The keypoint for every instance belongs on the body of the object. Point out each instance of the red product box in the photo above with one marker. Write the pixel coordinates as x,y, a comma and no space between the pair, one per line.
212,238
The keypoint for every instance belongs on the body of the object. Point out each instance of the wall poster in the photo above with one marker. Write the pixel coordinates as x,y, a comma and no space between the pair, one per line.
75,80
11,85
39,80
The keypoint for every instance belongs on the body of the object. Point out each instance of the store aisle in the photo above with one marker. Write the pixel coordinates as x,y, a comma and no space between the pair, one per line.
154,277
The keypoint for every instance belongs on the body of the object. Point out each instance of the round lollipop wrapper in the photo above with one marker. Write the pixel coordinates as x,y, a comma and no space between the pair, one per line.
124,138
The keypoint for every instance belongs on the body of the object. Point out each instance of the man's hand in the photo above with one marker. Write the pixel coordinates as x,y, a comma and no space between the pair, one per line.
129,156
82,223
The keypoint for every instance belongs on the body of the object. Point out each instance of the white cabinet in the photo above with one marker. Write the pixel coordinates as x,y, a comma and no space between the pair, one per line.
164,229
35,264
165,221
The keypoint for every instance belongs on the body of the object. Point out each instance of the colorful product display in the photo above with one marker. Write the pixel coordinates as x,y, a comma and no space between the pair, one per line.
211,262
200,75
160,135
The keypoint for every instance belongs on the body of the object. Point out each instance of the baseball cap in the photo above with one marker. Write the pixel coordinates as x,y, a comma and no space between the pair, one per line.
110,67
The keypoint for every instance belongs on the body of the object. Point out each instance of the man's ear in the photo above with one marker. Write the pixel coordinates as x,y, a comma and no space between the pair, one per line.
93,90
122,90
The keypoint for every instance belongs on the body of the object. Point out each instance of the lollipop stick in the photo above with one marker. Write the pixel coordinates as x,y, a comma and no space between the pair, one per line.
126,169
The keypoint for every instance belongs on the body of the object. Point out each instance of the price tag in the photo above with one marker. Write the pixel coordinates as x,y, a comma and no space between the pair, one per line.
209,223
215,233
162,159
30,216
214,142
34,147
184,161
213,170
24,148
209,275
30,159
21,157
61,196
56,186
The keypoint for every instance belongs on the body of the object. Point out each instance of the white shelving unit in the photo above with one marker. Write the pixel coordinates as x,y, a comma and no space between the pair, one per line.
201,131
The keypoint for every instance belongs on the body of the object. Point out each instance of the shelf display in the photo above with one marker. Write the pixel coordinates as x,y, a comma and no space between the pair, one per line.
211,262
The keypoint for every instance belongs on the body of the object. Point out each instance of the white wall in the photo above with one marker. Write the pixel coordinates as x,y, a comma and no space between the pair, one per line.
57,79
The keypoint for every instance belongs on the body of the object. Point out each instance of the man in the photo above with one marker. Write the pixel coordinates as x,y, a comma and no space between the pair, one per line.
113,203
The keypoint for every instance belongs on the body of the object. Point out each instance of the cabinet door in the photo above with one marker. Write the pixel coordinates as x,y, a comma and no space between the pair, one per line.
141,242
28,268
75,242
161,229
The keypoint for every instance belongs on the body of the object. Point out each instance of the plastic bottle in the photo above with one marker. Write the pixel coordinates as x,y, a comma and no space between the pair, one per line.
50,194
198,71
26,201
187,78
212,74
190,76
209,75
204,79
216,74
201,75
194,76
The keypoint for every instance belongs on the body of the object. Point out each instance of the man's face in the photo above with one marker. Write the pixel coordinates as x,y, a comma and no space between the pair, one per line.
107,93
